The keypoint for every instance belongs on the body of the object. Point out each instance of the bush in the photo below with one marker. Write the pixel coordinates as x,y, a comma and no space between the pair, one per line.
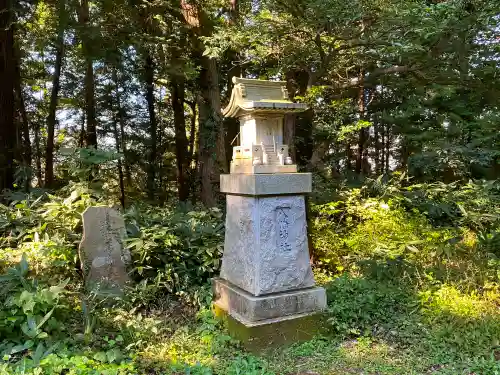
30,314
176,249
393,236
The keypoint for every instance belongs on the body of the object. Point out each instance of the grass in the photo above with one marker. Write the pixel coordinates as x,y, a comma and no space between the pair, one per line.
449,332
381,320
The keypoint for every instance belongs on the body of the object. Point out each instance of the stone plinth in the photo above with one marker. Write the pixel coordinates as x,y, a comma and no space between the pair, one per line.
273,333
252,310
266,278
266,184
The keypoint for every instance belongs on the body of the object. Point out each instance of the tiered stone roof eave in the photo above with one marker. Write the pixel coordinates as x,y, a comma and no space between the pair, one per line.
258,96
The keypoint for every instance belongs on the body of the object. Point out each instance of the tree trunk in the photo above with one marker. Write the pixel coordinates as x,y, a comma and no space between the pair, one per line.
51,118
118,119
150,99
120,168
122,141
404,154
304,144
27,154
362,132
81,138
348,157
7,74
376,151
207,150
192,131
211,132
213,98
387,148
181,141
117,146
382,148
38,154
91,131
193,154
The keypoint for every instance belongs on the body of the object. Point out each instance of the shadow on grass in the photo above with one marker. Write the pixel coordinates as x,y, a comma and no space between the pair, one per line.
433,326
381,321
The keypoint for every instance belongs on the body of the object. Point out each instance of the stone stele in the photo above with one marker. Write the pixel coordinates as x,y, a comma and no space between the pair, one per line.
102,254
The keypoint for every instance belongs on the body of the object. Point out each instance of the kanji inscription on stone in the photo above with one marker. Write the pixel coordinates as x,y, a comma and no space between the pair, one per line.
283,221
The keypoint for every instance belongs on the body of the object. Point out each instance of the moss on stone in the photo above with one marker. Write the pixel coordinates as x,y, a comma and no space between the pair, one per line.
277,334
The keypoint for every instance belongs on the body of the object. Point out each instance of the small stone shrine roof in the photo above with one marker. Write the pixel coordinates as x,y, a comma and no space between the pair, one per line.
255,95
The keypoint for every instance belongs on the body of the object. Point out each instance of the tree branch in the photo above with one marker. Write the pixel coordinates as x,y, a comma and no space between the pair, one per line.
354,82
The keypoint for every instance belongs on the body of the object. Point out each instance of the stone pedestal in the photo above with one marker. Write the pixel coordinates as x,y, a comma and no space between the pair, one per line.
257,338
266,276
259,310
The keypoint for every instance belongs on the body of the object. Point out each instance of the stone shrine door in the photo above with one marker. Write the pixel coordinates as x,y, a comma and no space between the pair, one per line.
269,132
267,136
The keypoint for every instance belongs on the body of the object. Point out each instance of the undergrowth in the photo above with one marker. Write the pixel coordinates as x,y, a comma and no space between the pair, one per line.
411,272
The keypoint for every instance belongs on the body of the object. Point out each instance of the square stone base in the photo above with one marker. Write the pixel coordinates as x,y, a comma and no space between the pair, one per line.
265,168
266,184
253,310
273,333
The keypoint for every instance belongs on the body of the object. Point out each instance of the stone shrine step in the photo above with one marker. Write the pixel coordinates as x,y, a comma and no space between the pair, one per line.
272,158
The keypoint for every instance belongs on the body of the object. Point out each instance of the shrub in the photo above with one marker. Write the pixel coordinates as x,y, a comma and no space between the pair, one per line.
30,312
392,236
175,249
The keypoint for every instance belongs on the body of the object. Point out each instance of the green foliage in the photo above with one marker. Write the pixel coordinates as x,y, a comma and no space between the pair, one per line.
361,305
81,163
411,262
473,204
30,313
416,266
71,365
461,323
248,366
438,232
175,249
411,273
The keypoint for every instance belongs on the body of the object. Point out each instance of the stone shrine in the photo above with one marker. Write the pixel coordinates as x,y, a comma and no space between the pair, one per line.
266,277
102,254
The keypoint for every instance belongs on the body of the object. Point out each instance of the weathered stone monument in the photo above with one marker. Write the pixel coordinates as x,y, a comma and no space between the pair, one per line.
266,285
102,254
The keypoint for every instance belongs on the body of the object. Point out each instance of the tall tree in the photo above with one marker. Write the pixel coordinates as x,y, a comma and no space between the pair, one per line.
8,135
21,108
88,52
149,71
208,135
183,159
51,118
118,134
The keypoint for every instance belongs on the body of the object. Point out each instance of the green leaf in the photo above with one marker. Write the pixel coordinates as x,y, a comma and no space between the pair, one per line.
114,355
38,354
45,318
23,265
42,335
100,356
